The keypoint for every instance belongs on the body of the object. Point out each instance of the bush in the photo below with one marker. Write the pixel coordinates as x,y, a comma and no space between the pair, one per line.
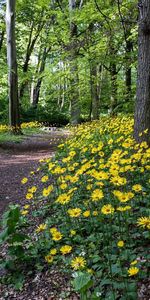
45,115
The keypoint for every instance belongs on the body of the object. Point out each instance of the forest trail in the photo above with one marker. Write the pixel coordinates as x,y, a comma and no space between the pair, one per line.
17,160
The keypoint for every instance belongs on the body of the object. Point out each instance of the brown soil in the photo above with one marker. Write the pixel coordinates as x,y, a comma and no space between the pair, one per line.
18,159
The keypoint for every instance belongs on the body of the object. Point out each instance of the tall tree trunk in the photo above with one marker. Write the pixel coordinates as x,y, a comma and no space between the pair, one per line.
36,91
113,78
142,106
128,71
30,48
1,39
75,110
94,91
12,66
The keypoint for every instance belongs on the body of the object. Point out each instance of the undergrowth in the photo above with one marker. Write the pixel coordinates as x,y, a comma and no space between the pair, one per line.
95,211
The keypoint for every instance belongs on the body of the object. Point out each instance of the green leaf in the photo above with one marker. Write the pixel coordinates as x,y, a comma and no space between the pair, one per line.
3,235
105,282
115,269
82,282
19,281
96,258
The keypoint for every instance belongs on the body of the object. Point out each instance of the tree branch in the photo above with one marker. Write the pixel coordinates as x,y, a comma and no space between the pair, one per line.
122,21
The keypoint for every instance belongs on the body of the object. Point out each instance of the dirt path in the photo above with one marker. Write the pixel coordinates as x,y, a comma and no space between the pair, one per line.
17,160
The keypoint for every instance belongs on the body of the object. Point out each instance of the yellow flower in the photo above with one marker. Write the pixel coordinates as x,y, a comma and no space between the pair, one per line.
95,213
145,131
137,188
100,183
72,153
63,186
71,169
72,232
33,189
44,178
78,263
133,262
97,195
110,142
24,180
29,196
120,244
117,180
90,271
57,236
133,271
49,258
86,213
50,166
123,208
89,186
53,251
26,206
24,212
65,249
74,212
47,191
53,229
123,197
63,199
144,222
41,227
107,209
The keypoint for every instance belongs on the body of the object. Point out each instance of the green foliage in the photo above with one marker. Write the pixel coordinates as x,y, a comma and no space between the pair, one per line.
103,31
7,135
82,283
46,115
94,210
11,235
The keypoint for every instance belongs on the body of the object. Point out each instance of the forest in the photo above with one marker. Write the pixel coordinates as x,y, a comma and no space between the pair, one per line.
74,149
76,60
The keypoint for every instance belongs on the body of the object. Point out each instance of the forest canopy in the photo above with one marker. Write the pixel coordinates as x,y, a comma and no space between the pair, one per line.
76,59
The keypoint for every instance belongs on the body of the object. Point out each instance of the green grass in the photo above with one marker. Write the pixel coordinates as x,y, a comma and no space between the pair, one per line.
9,137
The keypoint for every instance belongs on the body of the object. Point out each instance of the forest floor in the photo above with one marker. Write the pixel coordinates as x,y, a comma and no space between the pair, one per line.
17,160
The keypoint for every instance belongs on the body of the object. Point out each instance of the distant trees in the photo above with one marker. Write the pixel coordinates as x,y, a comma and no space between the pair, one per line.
74,77
142,106
12,66
76,58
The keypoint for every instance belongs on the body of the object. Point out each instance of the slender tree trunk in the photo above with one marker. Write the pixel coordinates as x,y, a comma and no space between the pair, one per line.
36,91
113,78
30,47
12,66
142,106
75,110
128,71
94,92
100,79
1,39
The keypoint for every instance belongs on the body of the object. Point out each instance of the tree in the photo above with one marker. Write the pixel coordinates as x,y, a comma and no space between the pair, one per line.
93,48
12,66
30,47
36,90
74,79
142,106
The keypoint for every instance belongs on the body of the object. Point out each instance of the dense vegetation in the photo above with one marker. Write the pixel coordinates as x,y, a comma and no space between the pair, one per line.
92,213
82,55
70,62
